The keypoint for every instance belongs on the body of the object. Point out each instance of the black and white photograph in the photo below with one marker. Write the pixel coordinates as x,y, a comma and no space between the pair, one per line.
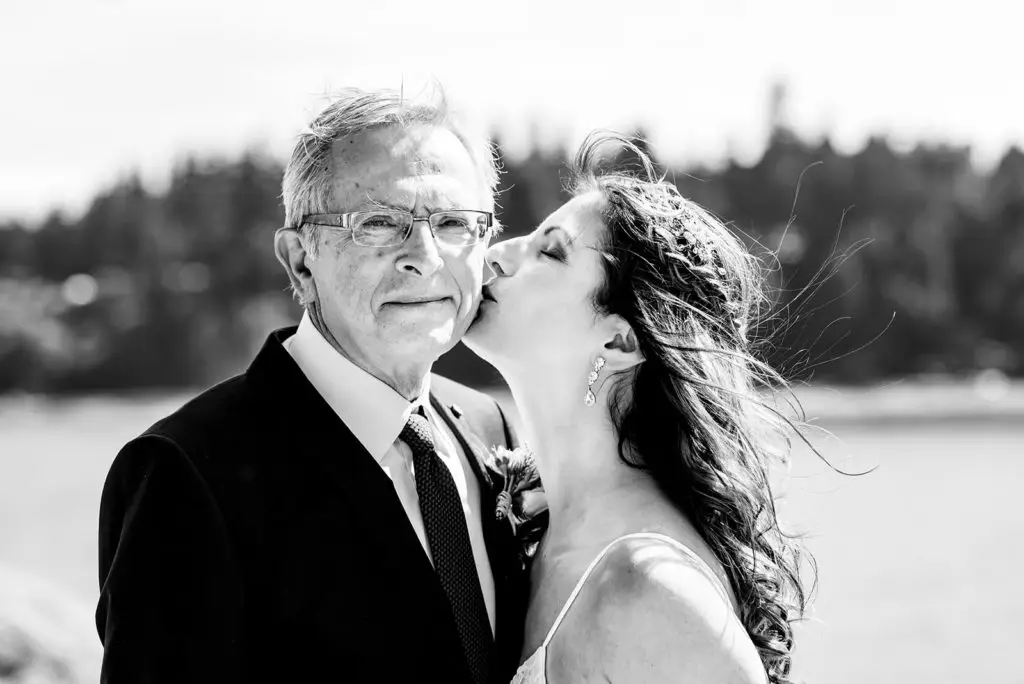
670,341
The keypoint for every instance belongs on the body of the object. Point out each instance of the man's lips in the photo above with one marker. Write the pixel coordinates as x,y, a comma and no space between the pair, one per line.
487,295
413,301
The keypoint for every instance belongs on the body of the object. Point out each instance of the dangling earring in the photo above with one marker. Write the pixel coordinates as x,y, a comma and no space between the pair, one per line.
589,399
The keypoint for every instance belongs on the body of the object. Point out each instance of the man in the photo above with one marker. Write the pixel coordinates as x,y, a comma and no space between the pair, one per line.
327,515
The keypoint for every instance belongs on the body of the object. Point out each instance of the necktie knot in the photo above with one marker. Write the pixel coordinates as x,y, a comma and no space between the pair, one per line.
417,434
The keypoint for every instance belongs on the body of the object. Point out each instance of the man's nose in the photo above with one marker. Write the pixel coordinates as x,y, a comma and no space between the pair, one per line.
419,251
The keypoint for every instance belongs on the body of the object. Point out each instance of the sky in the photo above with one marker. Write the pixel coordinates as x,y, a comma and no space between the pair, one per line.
91,90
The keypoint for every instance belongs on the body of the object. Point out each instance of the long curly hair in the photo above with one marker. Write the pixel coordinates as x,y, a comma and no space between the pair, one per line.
694,414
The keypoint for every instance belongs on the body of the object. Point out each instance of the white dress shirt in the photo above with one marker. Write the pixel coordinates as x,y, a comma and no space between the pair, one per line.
376,414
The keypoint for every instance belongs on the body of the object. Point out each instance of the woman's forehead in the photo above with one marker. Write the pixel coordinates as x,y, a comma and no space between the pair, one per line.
580,218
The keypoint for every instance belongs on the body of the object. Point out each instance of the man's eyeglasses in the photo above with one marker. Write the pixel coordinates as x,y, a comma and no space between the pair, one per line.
387,228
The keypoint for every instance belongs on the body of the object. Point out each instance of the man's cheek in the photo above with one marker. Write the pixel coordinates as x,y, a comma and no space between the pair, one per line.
469,278
350,273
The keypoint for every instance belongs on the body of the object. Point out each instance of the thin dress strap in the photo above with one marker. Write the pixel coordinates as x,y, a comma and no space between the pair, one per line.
604,552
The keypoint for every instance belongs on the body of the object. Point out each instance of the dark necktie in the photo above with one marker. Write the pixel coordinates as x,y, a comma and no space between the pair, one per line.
448,536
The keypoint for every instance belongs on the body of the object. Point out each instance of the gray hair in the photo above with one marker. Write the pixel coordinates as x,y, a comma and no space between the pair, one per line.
308,181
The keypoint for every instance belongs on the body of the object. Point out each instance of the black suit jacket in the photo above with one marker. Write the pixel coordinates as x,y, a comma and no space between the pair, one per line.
250,537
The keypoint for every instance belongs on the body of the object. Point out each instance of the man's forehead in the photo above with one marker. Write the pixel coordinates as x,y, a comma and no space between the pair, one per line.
391,160
422,148
432,190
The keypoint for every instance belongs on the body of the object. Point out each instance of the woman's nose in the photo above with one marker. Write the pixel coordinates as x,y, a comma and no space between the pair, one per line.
496,267
499,258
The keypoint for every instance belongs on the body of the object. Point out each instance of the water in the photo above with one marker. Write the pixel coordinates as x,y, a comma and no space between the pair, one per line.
918,562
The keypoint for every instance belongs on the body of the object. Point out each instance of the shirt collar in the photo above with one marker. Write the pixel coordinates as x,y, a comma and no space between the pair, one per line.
373,411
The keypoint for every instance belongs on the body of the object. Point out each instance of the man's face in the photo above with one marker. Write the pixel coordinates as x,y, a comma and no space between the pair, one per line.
410,303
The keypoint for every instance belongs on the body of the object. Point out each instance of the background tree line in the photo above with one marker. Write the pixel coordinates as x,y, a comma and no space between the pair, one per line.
180,287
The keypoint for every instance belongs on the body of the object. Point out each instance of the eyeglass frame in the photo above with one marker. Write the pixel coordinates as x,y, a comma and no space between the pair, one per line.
343,220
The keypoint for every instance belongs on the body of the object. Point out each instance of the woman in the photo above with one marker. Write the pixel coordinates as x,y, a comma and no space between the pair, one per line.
620,325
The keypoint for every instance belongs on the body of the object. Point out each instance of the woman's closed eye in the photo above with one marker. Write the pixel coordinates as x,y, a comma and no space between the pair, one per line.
556,252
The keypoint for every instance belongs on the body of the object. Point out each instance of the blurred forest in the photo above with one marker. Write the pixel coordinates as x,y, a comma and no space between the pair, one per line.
180,287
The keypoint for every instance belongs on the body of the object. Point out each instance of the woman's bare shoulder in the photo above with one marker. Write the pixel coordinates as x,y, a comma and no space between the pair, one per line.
655,614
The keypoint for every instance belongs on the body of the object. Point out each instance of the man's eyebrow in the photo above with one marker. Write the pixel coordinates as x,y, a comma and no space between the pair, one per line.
386,206
441,204
378,204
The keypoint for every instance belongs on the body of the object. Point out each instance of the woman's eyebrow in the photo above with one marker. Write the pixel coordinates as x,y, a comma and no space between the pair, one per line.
569,238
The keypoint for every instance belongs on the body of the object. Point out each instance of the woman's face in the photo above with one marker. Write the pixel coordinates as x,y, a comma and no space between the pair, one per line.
538,309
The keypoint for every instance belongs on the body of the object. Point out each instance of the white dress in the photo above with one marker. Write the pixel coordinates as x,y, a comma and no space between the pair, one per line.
534,669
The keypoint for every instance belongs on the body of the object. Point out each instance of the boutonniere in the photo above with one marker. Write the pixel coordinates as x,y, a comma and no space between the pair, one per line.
521,499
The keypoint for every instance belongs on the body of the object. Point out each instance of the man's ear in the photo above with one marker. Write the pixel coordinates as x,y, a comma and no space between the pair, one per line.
622,350
291,252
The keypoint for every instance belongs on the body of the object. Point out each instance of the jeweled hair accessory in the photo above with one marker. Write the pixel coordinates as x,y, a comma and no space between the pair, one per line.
706,264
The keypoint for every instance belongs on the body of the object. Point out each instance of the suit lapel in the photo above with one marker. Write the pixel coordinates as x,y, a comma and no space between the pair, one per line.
502,549
476,452
496,535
